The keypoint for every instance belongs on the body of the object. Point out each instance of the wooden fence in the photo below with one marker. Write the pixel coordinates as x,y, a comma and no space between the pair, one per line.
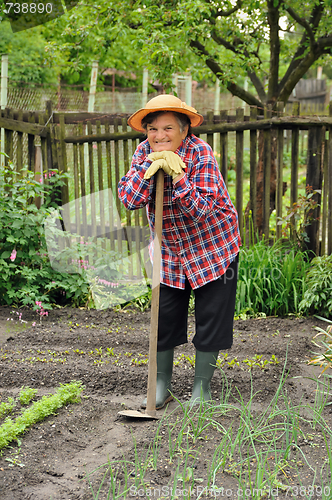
96,150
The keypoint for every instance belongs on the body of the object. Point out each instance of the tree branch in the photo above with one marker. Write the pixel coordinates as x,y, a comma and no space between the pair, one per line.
217,70
273,20
225,13
298,73
324,41
252,75
258,85
302,22
221,41
314,21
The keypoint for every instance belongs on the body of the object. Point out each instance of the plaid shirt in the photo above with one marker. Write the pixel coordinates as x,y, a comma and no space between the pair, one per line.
200,225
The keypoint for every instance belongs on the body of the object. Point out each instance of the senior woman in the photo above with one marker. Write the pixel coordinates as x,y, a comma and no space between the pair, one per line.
200,238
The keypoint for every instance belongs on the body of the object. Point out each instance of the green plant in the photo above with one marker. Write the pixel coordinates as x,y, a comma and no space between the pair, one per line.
318,294
7,407
26,395
143,302
324,359
27,275
14,458
271,279
47,405
299,217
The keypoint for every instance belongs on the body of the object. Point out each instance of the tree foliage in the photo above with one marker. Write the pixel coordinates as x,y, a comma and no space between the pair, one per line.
91,31
273,42
26,55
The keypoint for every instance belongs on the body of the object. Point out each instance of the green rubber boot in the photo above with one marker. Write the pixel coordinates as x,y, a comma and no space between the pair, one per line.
164,376
204,368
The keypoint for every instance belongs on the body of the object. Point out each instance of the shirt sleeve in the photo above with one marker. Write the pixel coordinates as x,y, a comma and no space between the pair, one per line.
198,190
135,191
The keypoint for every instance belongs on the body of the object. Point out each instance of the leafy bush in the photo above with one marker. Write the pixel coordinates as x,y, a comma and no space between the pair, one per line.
27,275
318,293
271,279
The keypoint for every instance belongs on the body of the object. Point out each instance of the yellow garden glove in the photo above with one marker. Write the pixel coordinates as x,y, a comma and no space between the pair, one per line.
170,162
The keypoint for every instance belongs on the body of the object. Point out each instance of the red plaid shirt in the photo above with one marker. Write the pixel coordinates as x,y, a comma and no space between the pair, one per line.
200,224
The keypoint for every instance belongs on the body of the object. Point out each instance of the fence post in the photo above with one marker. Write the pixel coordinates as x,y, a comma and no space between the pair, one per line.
239,171
329,217
188,89
175,83
83,182
63,154
314,180
224,149
49,142
209,137
253,176
9,144
280,165
91,101
294,165
19,146
145,87
93,86
325,191
4,90
38,172
267,175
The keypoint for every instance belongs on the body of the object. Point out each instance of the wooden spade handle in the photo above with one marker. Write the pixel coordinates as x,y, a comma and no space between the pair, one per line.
152,373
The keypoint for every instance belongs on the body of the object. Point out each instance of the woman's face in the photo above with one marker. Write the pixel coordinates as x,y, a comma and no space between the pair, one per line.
164,133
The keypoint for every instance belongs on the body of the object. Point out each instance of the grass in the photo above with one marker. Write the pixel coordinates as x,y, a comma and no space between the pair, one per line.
258,450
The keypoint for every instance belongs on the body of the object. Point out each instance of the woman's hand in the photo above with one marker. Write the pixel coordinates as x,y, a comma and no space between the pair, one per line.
170,162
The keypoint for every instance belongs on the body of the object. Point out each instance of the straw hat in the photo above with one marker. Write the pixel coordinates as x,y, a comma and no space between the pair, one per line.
164,102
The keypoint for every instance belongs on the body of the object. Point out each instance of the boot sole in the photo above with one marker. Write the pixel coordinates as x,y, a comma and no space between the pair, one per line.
167,400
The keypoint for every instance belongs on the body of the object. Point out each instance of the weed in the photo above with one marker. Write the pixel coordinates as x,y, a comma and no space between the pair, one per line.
14,458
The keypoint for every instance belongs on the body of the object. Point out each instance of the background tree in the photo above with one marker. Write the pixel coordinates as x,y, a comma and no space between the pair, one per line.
273,42
26,55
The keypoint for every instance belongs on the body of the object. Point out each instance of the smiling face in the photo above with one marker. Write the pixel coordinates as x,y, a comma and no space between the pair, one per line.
164,133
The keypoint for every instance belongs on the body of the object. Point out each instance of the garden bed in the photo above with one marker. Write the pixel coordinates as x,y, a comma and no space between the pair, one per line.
107,352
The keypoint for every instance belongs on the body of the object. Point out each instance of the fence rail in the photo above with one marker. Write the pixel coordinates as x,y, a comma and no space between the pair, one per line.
96,150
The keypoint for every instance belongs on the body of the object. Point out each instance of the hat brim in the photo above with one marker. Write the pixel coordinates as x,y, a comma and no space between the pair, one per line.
135,120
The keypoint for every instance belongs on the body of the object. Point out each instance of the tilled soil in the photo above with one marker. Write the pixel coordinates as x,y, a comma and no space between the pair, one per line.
107,351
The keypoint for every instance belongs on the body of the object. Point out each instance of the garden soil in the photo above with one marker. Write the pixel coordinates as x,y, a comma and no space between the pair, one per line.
107,352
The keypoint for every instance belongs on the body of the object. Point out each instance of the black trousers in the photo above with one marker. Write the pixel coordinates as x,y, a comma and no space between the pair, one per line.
214,313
